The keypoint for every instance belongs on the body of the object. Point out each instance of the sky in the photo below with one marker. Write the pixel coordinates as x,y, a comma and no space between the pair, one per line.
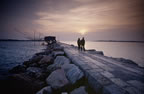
70,19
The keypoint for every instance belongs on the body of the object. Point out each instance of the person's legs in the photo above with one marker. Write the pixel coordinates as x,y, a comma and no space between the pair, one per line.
84,47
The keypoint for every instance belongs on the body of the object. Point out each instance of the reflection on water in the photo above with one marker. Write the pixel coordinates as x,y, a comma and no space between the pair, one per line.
128,50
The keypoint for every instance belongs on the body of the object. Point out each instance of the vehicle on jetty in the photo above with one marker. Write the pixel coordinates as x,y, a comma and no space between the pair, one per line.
50,39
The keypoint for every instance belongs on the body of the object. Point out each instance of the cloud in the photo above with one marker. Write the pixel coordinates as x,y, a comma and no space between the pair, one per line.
93,15
72,16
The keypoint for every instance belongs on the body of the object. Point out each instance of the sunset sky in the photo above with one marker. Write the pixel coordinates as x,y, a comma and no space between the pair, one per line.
70,19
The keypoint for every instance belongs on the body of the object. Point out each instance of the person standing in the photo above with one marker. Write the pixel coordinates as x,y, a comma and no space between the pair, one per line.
83,44
78,43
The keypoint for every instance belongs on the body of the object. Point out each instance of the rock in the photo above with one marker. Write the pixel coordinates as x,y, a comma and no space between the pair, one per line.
52,68
57,79
45,59
58,53
36,58
93,51
33,65
125,61
80,90
34,72
64,93
58,48
61,60
58,62
46,52
27,63
27,82
73,73
18,69
45,90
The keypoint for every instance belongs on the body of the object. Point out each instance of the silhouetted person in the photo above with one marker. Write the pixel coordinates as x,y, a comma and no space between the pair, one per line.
82,44
78,43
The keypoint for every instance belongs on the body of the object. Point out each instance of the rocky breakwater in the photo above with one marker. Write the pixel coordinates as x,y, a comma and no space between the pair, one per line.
49,72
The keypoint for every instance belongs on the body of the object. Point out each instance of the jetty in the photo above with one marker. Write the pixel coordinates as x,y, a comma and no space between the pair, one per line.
107,75
63,69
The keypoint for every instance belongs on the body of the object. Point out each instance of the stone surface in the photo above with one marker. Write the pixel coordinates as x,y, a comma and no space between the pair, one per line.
119,82
95,52
18,69
80,90
113,89
45,59
27,63
58,53
45,90
137,84
73,73
58,62
132,90
34,71
58,48
57,79
28,82
36,58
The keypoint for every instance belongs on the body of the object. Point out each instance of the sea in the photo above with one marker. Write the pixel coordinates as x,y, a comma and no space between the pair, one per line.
13,53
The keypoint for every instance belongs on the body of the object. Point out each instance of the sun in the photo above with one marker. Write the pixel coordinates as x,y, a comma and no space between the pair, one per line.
83,31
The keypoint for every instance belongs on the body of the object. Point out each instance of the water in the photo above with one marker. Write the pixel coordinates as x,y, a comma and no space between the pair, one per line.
13,53
129,50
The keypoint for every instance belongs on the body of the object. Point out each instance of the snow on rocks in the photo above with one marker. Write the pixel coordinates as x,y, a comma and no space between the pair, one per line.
57,79
73,73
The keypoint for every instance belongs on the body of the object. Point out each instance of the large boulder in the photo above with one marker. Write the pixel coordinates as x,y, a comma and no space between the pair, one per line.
80,90
45,90
45,59
58,62
36,58
57,79
34,72
58,53
73,73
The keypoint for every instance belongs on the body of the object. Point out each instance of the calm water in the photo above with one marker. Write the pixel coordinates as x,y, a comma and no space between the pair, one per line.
14,53
128,50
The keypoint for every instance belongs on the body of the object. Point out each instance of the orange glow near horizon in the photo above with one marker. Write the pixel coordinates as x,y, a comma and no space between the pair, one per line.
83,31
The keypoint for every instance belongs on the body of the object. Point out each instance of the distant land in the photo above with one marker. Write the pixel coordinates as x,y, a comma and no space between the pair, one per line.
117,41
18,40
